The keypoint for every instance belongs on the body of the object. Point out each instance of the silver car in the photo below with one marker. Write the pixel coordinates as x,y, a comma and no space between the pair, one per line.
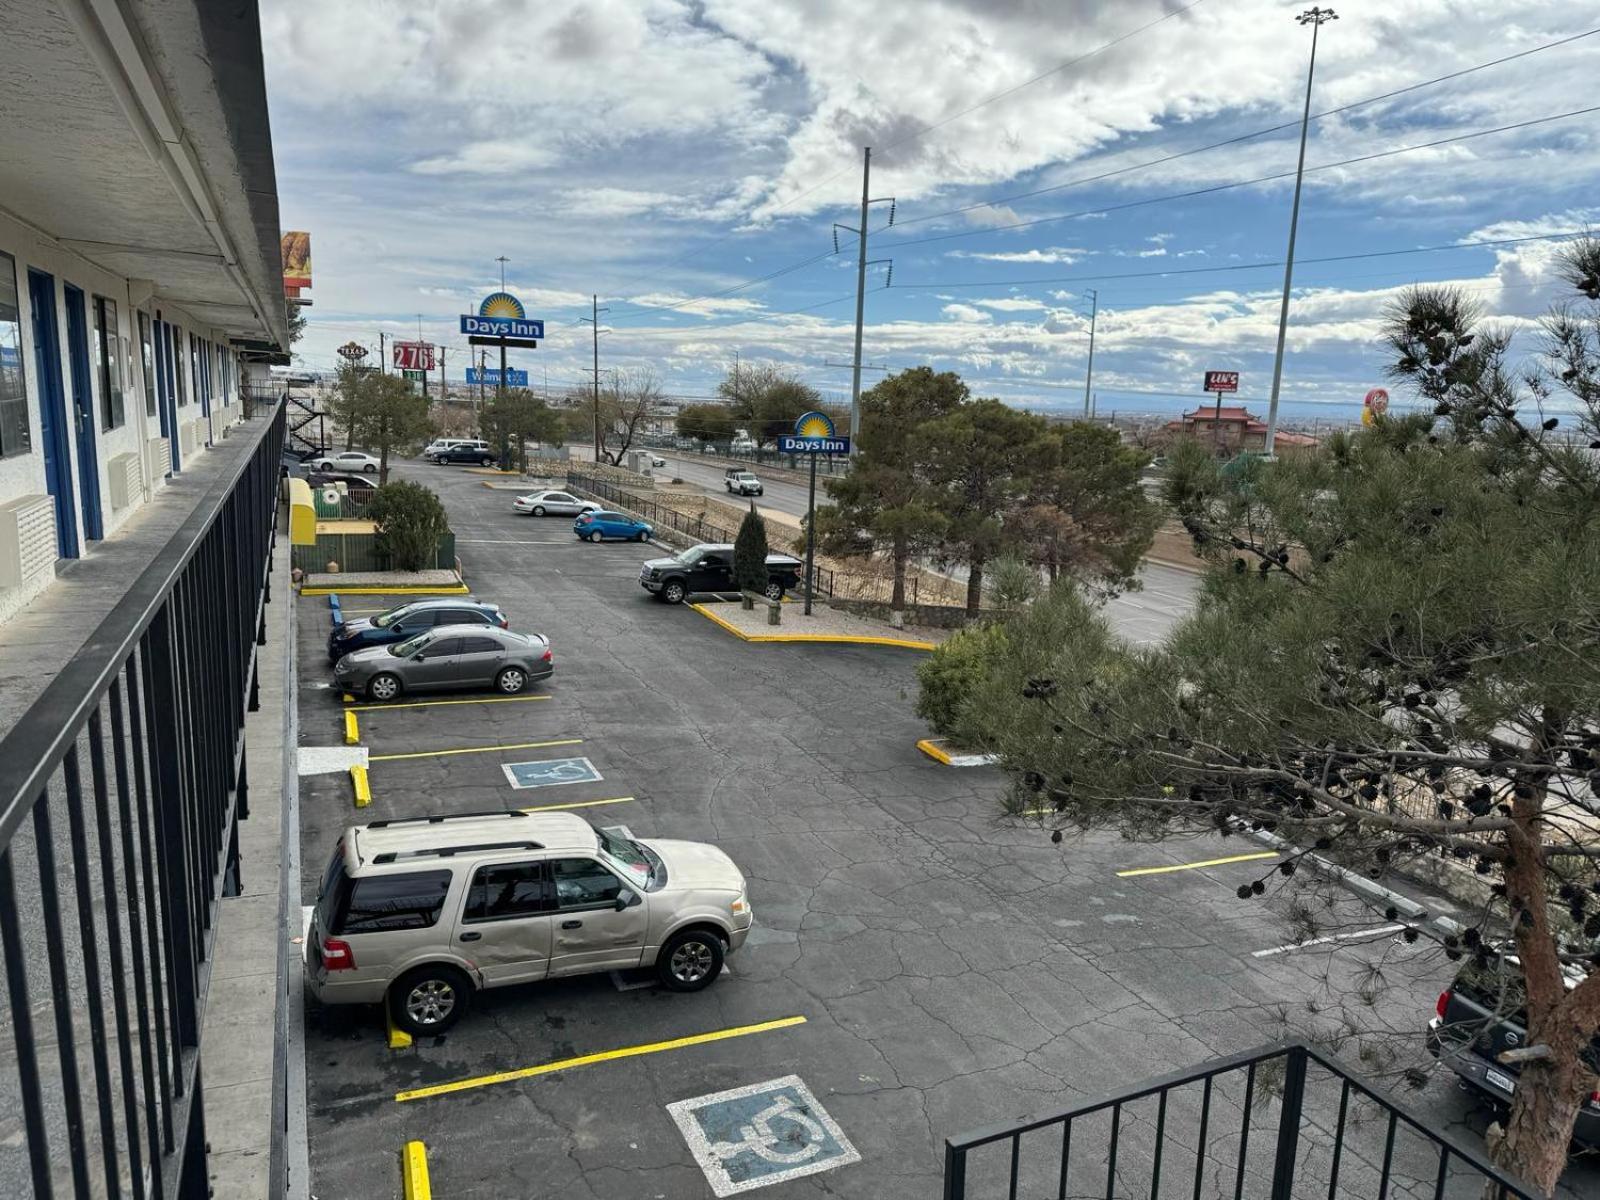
451,656
422,912
553,503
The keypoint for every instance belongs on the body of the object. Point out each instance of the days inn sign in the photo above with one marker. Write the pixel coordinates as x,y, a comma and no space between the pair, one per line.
501,315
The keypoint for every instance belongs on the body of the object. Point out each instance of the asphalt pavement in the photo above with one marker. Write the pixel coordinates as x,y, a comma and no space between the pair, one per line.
920,965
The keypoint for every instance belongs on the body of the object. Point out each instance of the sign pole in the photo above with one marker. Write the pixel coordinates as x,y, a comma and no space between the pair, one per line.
811,531
1216,424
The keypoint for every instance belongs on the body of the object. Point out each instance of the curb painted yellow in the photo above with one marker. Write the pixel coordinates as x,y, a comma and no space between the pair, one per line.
489,471
474,750
842,639
363,790
352,728
399,1039
577,804
402,589
931,748
414,1172
584,1060
1194,866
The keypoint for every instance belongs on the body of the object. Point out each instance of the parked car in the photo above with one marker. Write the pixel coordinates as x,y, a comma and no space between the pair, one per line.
742,482
656,461
422,912
596,526
408,620
467,452
357,487
1466,1036
439,445
347,460
449,656
709,568
554,504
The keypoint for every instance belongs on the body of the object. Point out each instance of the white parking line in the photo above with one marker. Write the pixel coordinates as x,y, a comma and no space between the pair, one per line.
512,542
1332,937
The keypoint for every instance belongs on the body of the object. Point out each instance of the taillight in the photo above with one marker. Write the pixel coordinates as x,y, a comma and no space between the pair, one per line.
1443,1005
545,657
504,623
336,955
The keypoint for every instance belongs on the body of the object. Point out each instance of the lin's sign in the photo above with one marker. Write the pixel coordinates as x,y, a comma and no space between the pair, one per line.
813,434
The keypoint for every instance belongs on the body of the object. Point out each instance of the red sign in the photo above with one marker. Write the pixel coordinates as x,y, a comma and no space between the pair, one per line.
1222,381
413,356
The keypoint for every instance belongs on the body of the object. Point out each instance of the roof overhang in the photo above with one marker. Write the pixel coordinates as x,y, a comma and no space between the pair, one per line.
137,136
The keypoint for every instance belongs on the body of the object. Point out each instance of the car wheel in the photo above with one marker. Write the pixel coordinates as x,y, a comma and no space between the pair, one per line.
511,680
370,468
429,1000
774,590
673,592
595,536
383,688
643,535
538,510
690,960
484,462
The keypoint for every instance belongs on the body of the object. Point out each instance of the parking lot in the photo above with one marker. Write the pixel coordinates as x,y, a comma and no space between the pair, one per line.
918,967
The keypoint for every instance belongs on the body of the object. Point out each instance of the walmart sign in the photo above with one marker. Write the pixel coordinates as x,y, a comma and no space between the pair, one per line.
491,377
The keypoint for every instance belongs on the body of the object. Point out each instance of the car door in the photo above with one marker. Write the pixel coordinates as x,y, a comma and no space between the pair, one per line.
560,502
479,660
435,665
505,925
710,574
590,932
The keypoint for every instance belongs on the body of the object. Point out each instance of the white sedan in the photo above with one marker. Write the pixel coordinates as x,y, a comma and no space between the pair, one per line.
348,460
554,504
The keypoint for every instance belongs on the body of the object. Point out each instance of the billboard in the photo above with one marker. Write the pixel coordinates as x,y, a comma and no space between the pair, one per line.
1222,381
491,377
414,356
295,248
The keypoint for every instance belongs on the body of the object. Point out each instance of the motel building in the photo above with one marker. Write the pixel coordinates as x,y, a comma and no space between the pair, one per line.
140,284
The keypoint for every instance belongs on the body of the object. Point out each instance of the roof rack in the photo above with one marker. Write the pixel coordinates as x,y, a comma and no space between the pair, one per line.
390,856
467,816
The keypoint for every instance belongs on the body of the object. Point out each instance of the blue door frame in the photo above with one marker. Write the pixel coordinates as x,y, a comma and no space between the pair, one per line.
169,409
53,410
83,413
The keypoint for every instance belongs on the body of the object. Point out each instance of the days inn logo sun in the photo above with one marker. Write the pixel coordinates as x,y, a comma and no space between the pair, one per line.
813,425
502,304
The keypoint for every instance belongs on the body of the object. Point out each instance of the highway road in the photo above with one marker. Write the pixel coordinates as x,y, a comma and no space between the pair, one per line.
1144,616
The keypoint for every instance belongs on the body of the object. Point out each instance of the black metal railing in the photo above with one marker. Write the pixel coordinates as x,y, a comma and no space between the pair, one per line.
119,791
1281,1121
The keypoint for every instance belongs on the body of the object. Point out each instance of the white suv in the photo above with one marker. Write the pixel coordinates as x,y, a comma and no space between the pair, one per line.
422,912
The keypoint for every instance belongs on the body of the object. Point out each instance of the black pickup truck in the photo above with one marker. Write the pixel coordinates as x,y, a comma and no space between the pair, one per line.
1482,1015
709,568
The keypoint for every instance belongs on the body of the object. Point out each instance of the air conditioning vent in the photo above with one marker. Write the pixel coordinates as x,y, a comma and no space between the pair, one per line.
186,438
27,539
127,479
158,454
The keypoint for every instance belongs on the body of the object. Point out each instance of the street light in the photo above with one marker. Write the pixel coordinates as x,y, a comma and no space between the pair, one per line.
1314,17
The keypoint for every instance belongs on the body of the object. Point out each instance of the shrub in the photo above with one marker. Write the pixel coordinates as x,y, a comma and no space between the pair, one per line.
951,675
750,553
410,520
1013,583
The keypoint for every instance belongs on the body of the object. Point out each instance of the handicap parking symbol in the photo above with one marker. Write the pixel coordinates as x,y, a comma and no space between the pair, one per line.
750,1137
550,772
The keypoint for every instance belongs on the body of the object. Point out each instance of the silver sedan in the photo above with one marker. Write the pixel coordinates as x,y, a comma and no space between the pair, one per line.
554,504
451,656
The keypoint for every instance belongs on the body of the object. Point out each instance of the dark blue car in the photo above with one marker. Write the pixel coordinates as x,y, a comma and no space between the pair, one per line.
409,619
596,526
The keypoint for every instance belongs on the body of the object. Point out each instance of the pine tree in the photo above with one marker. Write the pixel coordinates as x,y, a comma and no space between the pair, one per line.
750,553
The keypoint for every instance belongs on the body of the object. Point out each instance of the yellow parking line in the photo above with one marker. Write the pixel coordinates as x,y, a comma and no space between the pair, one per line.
414,1172
352,729
460,589
578,804
436,703
1210,862
934,751
584,1060
474,750
363,789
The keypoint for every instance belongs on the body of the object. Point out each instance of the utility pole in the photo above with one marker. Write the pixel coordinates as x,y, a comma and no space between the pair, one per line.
594,321
1314,17
442,396
483,356
1088,379
862,263
383,354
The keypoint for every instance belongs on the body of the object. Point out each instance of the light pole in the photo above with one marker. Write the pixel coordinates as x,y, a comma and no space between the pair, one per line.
1314,17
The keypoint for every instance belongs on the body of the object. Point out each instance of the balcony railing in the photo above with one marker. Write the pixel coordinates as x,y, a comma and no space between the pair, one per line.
119,792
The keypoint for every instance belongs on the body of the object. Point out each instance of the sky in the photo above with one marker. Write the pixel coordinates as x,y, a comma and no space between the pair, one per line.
686,161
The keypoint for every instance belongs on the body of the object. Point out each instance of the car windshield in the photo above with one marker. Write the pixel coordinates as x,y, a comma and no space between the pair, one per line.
689,557
384,620
640,863
411,645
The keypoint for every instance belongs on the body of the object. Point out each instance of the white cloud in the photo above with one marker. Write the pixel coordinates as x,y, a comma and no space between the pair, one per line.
965,312
695,306
1052,254
497,156
618,202
1011,304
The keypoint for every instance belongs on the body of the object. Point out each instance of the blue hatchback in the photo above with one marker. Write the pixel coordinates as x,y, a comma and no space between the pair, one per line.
596,526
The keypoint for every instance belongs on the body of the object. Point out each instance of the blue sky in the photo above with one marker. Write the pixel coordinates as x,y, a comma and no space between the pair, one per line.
664,153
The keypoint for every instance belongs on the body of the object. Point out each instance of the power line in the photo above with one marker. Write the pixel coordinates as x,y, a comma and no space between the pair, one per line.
1239,183
1243,137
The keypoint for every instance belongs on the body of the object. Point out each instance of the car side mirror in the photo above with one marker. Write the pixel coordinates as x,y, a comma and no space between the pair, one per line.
416,658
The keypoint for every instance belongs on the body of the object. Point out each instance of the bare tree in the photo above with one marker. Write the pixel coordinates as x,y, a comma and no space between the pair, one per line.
627,404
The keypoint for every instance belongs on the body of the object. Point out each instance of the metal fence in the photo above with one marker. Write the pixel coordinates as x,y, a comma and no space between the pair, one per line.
119,791
1278,1122
661,516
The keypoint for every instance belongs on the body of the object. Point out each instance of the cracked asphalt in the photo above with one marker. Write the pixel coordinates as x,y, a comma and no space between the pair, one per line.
955,970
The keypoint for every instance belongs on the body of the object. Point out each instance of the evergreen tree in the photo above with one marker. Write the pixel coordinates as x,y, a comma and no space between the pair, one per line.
750,553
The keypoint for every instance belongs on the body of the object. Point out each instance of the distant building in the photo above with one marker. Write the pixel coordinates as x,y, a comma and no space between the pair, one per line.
1235,428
